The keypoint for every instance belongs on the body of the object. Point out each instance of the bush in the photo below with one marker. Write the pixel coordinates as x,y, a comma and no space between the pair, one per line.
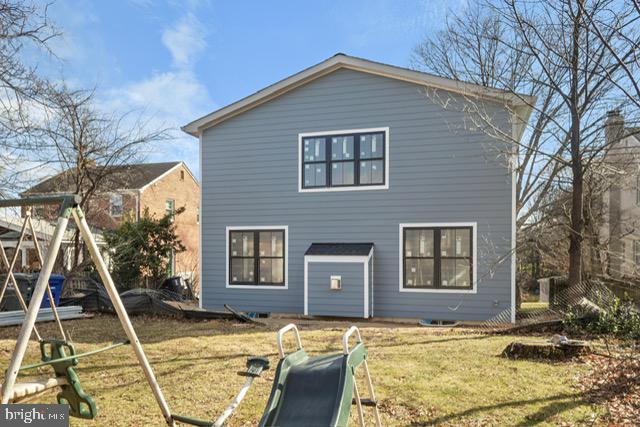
140,250
617,318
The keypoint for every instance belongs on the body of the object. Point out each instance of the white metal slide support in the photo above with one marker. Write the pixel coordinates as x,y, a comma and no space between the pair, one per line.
345,348
85,231
372,394
34,307
358,402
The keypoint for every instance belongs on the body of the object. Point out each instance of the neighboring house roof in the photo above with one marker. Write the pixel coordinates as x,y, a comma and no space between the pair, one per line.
340,249
44,229
522,104
121,177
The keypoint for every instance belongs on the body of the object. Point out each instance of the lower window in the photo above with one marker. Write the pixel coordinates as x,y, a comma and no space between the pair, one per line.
257,257
437,258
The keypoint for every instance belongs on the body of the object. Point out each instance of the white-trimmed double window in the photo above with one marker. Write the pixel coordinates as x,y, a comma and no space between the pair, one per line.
257,256
437,257
344,160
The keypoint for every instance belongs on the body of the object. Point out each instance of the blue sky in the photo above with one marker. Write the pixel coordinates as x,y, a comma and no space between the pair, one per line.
178,60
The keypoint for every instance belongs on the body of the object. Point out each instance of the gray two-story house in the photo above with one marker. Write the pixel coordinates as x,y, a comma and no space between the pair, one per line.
359,189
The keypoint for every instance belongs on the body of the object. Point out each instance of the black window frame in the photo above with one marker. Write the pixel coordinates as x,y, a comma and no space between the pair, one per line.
256,256
328,161
437,258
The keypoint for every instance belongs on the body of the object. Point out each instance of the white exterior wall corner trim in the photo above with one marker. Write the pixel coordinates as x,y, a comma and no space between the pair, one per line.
366,286
514,217
474,227
258,227
364,259
200,209
384,129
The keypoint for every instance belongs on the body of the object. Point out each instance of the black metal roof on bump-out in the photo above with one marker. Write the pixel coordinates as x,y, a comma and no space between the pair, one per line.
340,249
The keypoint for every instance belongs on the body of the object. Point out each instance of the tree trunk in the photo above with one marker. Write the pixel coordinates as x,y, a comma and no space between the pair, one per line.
577,197
577,229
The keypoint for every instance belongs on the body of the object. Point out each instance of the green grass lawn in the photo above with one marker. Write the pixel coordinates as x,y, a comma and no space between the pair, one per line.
532,307
422,376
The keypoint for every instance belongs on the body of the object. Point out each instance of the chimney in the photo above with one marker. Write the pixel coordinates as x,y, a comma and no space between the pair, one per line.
614,126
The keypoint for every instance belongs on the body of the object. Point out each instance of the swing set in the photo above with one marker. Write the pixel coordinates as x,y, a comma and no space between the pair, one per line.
314,389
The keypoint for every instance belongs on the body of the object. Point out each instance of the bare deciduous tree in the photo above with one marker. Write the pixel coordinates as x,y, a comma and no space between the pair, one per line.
578,57
88,146
23,25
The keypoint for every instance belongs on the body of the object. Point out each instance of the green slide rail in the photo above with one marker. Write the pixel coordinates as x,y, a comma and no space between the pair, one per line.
318,390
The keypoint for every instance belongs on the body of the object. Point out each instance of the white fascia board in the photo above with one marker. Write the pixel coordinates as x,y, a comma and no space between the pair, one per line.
357,64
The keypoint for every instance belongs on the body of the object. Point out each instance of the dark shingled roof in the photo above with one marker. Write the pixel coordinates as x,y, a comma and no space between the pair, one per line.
343,249
122,177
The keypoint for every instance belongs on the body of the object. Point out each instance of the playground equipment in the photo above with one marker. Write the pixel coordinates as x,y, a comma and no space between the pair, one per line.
61,354
318,390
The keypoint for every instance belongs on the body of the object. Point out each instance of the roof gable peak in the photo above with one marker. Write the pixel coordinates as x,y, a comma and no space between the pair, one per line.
341,60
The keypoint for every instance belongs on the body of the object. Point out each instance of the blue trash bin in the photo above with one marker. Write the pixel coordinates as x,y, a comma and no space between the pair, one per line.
55,283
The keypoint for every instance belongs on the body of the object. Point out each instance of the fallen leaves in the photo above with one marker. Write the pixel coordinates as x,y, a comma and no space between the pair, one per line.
615,384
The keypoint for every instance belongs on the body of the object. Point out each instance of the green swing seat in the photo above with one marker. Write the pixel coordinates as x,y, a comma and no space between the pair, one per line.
60,355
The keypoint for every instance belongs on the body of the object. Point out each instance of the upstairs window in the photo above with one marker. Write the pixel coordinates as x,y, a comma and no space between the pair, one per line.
115,206
344,159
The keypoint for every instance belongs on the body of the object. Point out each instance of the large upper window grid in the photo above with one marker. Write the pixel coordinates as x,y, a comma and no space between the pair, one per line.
438,258
354,159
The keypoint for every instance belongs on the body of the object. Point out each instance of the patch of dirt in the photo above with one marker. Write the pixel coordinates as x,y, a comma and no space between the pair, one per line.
401,411
615,384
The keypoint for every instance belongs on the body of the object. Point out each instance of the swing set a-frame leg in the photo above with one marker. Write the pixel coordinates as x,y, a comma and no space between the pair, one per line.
34,306
85,231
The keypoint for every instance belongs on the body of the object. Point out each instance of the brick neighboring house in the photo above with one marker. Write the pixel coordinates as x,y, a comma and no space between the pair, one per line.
130,189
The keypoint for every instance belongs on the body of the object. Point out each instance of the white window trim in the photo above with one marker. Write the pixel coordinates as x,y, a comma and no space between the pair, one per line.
474,228
228,284
355,187
364,259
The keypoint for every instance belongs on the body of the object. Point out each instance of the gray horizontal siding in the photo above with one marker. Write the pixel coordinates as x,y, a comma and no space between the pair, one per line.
347,302
438,173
